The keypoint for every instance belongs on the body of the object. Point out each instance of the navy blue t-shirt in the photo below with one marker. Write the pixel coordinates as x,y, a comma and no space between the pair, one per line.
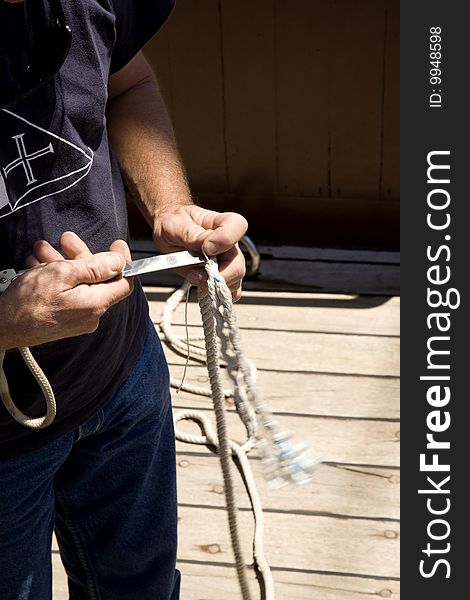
58,173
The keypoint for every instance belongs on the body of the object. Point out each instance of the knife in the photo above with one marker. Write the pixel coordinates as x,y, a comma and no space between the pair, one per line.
161,262
134,267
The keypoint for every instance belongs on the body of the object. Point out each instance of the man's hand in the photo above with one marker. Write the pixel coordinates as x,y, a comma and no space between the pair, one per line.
193,228
60,298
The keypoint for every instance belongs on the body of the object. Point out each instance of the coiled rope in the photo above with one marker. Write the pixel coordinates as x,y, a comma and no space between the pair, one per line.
38,374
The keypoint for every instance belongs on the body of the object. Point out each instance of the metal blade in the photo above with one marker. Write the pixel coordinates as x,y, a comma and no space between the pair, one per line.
161,262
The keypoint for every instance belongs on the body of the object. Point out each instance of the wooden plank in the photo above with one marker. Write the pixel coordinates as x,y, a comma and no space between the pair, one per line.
320,352
196,64
248,55
391,127
221,581
348,546
335,489
314,394
59,577
290,311
356,61
347,441
302,91
212,582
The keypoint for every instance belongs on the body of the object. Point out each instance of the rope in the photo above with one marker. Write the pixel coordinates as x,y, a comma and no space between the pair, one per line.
285,462
218,321
205,302
209,438
38,374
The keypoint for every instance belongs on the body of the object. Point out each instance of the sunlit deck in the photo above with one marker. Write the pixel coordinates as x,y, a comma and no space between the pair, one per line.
328,367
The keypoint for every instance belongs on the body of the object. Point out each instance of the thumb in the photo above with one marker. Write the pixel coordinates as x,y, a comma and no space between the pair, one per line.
96,269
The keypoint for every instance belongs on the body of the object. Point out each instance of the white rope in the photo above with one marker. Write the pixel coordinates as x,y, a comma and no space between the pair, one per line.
223,445
216,312
209,438
38,374
284,462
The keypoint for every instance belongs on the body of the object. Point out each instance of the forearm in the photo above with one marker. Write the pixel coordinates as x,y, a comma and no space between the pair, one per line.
142,137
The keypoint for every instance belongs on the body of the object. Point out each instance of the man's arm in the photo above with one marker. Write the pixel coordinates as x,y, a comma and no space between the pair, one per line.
142,136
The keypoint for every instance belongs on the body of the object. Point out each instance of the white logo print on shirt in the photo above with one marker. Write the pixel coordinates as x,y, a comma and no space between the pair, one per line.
36,169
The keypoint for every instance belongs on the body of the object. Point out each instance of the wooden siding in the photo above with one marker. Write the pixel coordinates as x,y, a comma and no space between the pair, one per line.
289,113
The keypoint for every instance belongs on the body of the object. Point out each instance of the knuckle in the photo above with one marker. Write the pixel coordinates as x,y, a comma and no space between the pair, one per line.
92,319
94,269
98,311
59,268
90,326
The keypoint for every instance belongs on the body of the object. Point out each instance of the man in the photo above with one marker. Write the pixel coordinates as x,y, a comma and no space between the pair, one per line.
103,473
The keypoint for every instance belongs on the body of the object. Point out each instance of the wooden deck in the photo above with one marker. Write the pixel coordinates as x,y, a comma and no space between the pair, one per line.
328,367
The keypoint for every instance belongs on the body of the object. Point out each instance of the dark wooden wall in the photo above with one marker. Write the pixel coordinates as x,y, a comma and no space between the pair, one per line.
288,111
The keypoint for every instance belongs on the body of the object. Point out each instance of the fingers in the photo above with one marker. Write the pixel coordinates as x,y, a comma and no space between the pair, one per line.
96,282
231,266
228,229
192,227
43,253
73,246
218,232
179,230
122,249
100,271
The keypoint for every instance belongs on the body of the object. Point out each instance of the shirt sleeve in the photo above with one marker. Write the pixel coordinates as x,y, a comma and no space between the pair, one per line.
136,22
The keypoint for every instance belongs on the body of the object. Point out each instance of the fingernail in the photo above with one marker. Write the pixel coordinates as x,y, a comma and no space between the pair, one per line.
114,262
210,248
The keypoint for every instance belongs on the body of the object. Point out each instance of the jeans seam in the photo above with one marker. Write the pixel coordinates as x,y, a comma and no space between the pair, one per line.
80,546
79,433
100,418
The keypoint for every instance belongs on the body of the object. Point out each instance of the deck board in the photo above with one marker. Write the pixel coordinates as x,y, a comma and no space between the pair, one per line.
335,440
213,582
371,492
320,352
313,313
328,367
295,541
320,394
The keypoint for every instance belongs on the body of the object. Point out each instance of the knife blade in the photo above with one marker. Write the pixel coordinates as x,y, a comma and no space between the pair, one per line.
161,262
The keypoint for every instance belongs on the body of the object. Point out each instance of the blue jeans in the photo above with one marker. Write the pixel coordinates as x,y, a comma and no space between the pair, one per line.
108,490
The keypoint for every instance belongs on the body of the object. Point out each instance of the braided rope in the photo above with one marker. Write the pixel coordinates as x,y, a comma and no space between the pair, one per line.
219,324
206,301
285,462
